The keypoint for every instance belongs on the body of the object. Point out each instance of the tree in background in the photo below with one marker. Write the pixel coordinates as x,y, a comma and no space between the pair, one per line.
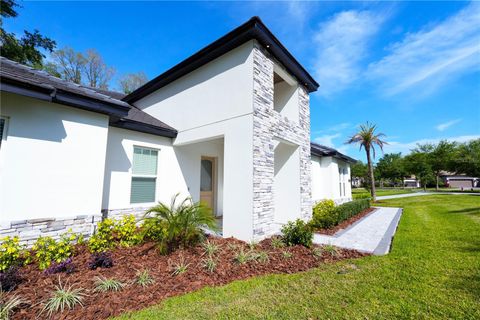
418,164
67,64
24,50
367,138
390,167
360,170
466,158
96,71
131,81
441,158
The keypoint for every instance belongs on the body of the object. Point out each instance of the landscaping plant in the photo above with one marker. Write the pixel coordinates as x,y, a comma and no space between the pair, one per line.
100,260
297,233
102,240
209,264
326,217
47,250
66,266
10,279
286,254
210,248
183,222
12,253
103,284
277,242
64,297
144,278
180,267
241,257
125,231
8,305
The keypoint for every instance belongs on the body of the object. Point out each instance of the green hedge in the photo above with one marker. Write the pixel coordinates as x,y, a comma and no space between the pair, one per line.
361,196
328,218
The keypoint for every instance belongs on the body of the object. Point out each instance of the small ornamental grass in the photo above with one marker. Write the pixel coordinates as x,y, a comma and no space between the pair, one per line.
8,306
333,251
144,279
209,264
180,267
277,242
241,257
317,252
103,284
210,248
64,297
286,254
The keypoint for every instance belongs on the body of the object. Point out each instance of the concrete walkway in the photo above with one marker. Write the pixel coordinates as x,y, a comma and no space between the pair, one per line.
373,233
416,194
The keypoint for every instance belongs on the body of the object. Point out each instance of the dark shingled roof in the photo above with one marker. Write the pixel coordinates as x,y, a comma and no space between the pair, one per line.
24,80
252,29
324,151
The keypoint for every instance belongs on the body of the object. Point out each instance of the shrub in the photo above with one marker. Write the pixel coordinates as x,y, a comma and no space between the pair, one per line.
144,278
11,253
125,231
338,214
103,284
7,306
297,232
183,222
48,250
63,297
102,240
154,229
100,260
66,266
10,279
323,216
357,196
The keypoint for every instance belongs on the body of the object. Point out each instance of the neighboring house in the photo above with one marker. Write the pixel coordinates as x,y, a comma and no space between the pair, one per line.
459,181
411,182
229,125
330,174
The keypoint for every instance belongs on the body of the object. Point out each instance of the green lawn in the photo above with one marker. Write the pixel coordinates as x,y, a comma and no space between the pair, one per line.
433,272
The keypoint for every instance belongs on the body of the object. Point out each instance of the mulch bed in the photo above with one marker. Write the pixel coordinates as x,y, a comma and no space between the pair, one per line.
37,287
345,224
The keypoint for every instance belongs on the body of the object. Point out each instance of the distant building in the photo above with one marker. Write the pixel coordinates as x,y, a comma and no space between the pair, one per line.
411,183
459,181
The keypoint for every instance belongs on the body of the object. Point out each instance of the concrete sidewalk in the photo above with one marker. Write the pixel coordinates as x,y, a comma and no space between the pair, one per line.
372,234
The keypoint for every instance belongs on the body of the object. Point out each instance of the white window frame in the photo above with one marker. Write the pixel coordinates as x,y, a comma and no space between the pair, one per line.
133,175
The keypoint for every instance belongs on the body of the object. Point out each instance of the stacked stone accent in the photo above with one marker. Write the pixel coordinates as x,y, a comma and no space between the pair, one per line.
117,214
29,230
267,125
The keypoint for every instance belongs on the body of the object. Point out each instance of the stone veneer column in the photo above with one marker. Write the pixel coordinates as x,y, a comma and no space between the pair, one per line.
267,125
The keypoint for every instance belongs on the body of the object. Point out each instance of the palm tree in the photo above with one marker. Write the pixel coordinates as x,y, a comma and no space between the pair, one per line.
367,138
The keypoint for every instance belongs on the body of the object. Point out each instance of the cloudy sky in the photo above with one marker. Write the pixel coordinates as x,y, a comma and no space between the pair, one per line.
413,68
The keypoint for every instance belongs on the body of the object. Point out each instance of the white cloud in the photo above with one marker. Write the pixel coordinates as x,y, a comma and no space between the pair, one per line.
406,147
432,56
335,128
327,140
446,125
341,45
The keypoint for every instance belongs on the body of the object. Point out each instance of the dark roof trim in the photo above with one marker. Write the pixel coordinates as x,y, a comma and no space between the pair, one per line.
252,29
323,151
143,127
51,94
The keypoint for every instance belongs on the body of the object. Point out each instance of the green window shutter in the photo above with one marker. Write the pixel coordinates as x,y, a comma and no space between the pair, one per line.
144,161
143,190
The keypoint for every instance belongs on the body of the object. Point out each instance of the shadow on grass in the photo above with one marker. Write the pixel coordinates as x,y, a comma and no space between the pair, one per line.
469,284
474,210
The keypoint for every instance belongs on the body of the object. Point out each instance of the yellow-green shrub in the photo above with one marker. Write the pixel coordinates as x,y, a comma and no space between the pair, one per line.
110,232
12,253
125,231
323,214
102,240
47,249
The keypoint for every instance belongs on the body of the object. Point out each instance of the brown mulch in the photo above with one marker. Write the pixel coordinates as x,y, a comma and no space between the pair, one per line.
345,224
37,287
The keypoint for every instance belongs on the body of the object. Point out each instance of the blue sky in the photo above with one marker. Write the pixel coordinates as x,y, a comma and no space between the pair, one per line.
413,68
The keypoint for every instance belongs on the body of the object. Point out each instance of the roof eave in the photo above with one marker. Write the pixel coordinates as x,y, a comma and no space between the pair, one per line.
252,29
142,127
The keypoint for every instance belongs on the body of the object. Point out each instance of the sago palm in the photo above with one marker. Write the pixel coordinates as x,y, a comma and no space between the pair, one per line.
182,222
367,138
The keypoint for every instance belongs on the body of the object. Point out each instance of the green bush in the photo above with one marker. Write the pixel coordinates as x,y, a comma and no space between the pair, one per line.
125,231
102,240
47,250
297,232
323,213
12,253
357,196
183,223
338,214
154,229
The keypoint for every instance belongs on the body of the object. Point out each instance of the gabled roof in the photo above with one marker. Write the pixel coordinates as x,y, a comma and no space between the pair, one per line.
324,151
26,81
252,29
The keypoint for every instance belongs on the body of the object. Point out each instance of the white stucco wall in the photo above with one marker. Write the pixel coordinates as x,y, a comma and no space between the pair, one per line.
217,91
52,162
326,179
178,169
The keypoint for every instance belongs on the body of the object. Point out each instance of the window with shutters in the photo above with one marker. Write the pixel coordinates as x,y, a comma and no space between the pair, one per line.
3,130
144,175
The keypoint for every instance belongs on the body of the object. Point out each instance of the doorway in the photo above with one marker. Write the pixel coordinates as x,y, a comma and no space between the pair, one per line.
208,182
